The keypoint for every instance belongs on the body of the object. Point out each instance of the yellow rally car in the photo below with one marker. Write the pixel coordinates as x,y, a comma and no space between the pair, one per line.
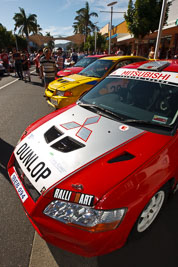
66,90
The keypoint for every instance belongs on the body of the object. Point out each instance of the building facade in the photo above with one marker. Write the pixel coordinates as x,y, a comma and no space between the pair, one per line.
169,37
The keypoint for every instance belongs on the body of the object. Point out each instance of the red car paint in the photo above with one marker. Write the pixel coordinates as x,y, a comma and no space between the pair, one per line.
132,186
74,70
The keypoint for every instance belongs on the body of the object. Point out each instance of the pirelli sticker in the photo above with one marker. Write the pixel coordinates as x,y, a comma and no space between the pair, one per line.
75,197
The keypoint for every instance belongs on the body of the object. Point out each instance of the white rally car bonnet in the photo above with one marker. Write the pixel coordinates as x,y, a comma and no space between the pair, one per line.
67,143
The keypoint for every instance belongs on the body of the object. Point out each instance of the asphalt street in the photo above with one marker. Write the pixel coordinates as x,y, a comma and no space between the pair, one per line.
20,246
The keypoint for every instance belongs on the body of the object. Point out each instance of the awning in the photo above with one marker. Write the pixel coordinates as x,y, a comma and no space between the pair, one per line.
40,39
77,38
124,37
113,36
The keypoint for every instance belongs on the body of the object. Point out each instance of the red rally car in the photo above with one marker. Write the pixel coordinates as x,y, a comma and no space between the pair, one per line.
79,66
92,174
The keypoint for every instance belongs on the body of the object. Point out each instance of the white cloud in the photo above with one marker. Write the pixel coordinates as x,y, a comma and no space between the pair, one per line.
58,30
95,6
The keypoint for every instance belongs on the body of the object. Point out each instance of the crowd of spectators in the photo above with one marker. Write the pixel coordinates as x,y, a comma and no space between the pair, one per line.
48,62
18,63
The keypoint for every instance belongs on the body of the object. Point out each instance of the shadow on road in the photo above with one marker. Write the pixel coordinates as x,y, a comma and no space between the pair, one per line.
5,153
37,83
66,259
156,248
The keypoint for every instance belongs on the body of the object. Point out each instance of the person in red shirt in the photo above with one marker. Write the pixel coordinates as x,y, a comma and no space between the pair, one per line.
5,59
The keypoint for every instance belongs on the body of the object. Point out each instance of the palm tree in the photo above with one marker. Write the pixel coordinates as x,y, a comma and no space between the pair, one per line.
38,29
51,43
25,24
83,23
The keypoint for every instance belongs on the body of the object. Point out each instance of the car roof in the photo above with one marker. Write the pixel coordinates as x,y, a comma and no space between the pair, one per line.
172,65
98,56
121,57
165,71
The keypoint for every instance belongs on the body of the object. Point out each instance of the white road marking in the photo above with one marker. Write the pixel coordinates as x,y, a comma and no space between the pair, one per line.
12,82
8,84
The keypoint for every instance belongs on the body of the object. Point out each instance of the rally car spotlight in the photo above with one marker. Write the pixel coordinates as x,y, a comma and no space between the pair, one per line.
86,218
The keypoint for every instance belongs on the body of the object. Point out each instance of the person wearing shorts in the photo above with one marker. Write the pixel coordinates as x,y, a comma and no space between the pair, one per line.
48,67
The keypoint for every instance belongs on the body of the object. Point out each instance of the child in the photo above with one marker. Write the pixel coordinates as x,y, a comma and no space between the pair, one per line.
25,66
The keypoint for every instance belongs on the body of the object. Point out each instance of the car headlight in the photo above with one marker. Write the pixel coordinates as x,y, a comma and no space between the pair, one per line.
83,217
63,93
59,93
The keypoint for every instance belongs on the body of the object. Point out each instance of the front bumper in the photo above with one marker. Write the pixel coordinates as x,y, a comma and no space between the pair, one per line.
58,102
62,235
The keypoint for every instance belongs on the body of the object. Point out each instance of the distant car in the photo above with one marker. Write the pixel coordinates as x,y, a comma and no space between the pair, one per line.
80,65
94,173
66,90
2,69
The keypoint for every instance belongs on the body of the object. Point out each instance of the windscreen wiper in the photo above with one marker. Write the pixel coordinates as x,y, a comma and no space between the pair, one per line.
144,123
101,111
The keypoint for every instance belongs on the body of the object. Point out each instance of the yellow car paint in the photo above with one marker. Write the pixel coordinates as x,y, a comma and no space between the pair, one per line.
67,90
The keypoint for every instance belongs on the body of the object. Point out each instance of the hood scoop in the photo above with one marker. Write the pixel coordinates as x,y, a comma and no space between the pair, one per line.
52,134
67,144
123,157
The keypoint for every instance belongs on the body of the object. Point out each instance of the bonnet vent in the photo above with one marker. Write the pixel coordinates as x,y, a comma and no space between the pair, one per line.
67,144
52,134
123,157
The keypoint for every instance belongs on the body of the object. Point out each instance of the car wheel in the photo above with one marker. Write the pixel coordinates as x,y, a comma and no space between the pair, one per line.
150,212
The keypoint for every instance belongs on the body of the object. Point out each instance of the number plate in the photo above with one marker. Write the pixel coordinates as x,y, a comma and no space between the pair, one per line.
18,186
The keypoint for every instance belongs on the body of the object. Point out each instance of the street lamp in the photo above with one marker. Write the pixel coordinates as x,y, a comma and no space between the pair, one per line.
111,5
111,12
95,36
161,22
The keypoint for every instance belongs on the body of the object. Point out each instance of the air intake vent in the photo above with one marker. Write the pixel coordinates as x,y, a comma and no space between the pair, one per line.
52,134
67,144
123,157
154,65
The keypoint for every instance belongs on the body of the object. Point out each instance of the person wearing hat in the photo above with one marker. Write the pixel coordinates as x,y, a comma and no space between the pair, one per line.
47,67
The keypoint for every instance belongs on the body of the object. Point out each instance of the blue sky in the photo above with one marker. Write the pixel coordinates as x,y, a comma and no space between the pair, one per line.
57,16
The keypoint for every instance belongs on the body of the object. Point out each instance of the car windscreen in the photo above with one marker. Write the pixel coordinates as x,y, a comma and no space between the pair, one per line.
84,62
136,101
97,68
